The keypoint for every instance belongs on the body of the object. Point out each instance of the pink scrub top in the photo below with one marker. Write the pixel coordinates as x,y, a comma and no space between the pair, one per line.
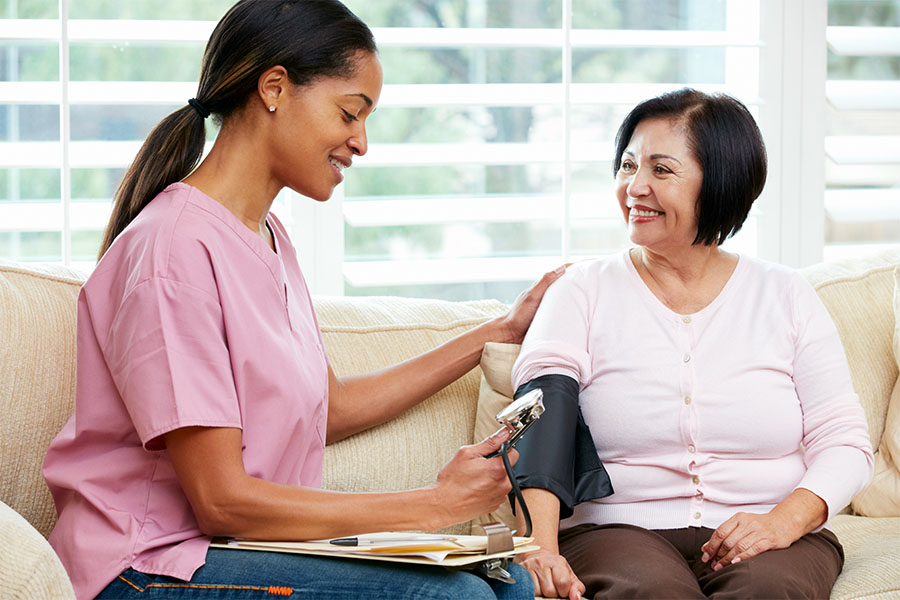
189,319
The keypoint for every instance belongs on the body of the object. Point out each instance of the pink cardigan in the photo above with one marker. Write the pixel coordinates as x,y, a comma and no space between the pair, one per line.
699,416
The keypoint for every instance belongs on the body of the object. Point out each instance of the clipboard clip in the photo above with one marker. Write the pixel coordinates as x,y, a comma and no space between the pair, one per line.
499,539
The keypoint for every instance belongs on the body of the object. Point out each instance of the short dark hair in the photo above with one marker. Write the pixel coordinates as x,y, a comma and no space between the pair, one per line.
726,142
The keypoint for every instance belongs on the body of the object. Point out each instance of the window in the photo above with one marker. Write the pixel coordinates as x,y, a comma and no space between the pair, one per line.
489,156
86,72
862,144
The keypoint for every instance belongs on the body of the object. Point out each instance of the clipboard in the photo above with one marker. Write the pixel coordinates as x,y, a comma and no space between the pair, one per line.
489,552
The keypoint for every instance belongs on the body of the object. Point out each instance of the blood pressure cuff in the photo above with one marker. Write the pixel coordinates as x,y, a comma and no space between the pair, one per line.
557,453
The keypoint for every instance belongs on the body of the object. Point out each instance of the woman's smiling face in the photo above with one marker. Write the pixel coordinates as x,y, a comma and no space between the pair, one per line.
323,127
658,184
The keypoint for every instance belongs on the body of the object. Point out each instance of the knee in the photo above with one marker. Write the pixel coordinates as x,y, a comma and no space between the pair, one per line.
767,587
745,582
641,579
462,585
522,589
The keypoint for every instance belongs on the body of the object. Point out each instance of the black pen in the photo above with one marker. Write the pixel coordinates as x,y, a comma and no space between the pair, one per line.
345,542
355,541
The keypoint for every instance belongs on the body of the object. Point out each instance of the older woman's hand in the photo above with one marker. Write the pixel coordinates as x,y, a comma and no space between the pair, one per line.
745,535
516,322
552,575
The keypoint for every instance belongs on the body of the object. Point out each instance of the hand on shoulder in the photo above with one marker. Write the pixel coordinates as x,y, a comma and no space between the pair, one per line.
516,322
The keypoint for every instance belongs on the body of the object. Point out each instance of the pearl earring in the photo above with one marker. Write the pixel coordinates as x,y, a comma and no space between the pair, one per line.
272,108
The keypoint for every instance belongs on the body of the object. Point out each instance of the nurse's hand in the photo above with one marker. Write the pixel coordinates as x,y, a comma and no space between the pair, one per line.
552,575
516,322
471,485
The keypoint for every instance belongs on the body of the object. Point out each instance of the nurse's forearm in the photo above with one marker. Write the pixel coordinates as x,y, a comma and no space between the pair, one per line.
363,401
269,511
226,501
359,402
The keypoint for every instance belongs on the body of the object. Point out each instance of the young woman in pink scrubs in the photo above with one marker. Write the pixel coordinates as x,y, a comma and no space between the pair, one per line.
204,394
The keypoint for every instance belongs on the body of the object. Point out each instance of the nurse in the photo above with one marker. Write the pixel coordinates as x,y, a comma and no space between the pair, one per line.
204,393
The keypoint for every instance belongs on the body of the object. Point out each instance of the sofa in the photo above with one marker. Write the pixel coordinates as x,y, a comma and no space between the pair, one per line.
37,376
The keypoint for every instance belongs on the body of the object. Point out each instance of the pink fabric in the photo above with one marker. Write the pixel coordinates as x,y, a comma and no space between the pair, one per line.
189,320
696,417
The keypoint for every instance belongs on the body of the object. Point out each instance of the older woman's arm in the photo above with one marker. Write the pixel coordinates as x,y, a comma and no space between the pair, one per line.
561,467
838,457
550,572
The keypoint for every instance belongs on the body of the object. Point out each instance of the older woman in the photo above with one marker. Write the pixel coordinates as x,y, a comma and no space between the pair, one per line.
714,387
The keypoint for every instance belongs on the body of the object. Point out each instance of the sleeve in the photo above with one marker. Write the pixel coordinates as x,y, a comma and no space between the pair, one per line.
168,355
557,454
557,341
838,457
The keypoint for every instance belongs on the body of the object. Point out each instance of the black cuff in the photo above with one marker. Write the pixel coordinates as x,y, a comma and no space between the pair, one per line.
557,453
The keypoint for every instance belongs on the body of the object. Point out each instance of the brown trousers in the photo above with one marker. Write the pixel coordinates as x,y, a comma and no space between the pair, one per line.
624,561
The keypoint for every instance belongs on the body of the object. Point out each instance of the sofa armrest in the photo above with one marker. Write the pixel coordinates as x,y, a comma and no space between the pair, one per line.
28,566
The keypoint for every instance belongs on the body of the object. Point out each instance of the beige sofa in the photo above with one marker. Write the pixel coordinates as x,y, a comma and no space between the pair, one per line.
37,321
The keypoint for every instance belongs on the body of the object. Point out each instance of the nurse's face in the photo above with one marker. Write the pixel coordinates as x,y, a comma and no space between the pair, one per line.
324,127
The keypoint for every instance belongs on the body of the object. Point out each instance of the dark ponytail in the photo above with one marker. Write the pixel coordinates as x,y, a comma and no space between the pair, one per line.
169,154
309,38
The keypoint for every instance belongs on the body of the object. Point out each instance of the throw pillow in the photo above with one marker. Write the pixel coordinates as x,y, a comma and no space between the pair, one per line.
495,393
882,496
858,292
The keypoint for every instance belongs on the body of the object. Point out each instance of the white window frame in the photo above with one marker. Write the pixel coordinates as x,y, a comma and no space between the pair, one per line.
793,71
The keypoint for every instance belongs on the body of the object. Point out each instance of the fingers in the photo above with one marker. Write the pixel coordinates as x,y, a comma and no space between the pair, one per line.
539,287
712,547
520,315
551,276
552,576
739,538
513,455
577,590
562,579
554,580
742,547
471,484
492,443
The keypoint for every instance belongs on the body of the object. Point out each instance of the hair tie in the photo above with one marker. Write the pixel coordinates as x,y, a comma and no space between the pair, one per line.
201,110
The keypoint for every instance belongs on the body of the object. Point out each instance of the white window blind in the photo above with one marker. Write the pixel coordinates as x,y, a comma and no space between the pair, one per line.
862,144
489,155
82,82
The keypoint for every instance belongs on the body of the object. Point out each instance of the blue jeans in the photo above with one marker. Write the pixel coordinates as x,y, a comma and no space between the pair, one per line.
244,574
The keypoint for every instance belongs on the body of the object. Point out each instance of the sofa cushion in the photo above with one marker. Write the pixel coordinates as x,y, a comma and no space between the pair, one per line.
881,498
366,334
36,571
858,294
37,389
872,555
